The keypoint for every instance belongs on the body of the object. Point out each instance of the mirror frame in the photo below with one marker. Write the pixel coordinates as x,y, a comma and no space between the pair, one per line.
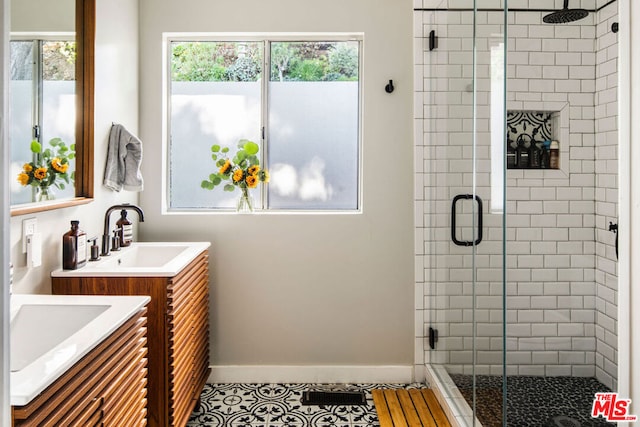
85,82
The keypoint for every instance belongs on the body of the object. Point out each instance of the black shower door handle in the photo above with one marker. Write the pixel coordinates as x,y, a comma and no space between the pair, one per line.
453,220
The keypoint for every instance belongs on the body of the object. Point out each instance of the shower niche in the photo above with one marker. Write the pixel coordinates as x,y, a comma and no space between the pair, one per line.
531,140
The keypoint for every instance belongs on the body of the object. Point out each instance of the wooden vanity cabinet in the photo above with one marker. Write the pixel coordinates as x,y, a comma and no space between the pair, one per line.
178,333
107,387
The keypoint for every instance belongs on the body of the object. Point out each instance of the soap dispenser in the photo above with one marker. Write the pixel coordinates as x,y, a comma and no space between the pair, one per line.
126,229
74,247
94,249
115,240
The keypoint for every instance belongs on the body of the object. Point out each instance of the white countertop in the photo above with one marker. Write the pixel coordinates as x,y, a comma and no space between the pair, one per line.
141,259
30,381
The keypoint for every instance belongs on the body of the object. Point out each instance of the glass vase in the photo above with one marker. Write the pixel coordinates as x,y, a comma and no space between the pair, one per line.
44,194
245,202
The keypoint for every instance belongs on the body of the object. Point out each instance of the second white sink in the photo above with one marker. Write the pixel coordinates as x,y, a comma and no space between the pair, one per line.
50,333
61,321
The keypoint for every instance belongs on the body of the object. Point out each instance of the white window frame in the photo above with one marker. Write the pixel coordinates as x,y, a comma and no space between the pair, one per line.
268,38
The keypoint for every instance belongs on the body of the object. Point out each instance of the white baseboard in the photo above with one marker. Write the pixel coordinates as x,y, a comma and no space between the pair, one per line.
312,374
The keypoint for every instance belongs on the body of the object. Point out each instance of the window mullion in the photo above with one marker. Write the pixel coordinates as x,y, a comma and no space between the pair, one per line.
264,157
37,90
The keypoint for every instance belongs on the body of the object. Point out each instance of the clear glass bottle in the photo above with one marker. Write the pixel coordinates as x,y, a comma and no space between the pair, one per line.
74,247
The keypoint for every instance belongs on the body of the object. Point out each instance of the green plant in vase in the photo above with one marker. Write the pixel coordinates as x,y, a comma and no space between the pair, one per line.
241,171
49,168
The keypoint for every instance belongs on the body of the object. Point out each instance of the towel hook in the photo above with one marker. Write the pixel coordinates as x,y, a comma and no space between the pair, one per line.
389,87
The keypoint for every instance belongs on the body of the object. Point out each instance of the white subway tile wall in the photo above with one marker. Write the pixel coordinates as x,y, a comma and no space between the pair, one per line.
561,262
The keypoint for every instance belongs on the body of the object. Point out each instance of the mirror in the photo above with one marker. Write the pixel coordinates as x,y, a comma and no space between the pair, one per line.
82,130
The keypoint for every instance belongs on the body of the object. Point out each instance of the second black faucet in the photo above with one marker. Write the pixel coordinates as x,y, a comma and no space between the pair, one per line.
107,215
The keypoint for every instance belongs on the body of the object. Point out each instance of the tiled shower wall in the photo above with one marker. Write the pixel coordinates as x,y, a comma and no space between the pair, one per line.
560,274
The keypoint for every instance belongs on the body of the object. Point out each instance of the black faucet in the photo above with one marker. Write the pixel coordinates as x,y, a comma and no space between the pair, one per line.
105,234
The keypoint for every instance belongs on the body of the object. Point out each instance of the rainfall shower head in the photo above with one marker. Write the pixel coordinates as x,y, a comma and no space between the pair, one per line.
565,15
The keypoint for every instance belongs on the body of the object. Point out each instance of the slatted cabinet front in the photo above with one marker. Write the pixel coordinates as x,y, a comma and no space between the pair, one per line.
178,324
188,326
106,387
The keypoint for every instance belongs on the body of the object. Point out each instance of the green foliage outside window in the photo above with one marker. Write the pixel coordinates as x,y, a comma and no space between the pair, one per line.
197,62
314,61
59,60
242,61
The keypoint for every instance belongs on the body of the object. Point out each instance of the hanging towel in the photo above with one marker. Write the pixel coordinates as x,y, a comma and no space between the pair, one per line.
124,157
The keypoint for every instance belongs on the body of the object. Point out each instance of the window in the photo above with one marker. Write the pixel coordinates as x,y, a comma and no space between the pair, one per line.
298,99
42,104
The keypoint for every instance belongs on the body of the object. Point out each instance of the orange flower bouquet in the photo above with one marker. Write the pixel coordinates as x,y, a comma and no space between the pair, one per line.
242,171
49,168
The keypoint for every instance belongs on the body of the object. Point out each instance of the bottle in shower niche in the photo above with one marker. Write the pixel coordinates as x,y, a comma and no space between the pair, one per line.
126,229
522,157
554,155
511,155
534,155
74,247
544,155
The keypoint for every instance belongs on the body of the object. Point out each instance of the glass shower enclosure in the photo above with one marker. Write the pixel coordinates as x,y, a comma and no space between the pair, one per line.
515,262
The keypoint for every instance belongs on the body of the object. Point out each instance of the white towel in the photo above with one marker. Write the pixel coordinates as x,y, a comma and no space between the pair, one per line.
124,157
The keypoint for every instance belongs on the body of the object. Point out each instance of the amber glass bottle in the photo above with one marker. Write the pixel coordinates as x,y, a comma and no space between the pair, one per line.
74,247
126,229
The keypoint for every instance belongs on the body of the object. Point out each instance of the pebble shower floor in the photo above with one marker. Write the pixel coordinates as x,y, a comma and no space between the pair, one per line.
263,405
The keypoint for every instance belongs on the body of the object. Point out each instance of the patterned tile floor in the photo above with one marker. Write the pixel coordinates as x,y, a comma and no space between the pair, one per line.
265,405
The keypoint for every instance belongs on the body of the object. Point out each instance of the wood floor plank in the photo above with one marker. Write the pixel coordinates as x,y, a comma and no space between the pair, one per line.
394,407
410,414
384,416
423,409
436,409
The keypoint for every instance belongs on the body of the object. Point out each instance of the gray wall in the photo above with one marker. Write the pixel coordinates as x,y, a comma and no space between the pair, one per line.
315,290
43,15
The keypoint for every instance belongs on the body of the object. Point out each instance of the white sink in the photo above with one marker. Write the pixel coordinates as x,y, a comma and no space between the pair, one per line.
61,322
141,259
50,333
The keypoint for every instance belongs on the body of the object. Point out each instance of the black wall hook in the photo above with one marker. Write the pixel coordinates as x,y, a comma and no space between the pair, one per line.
389,87
433,40
614,227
